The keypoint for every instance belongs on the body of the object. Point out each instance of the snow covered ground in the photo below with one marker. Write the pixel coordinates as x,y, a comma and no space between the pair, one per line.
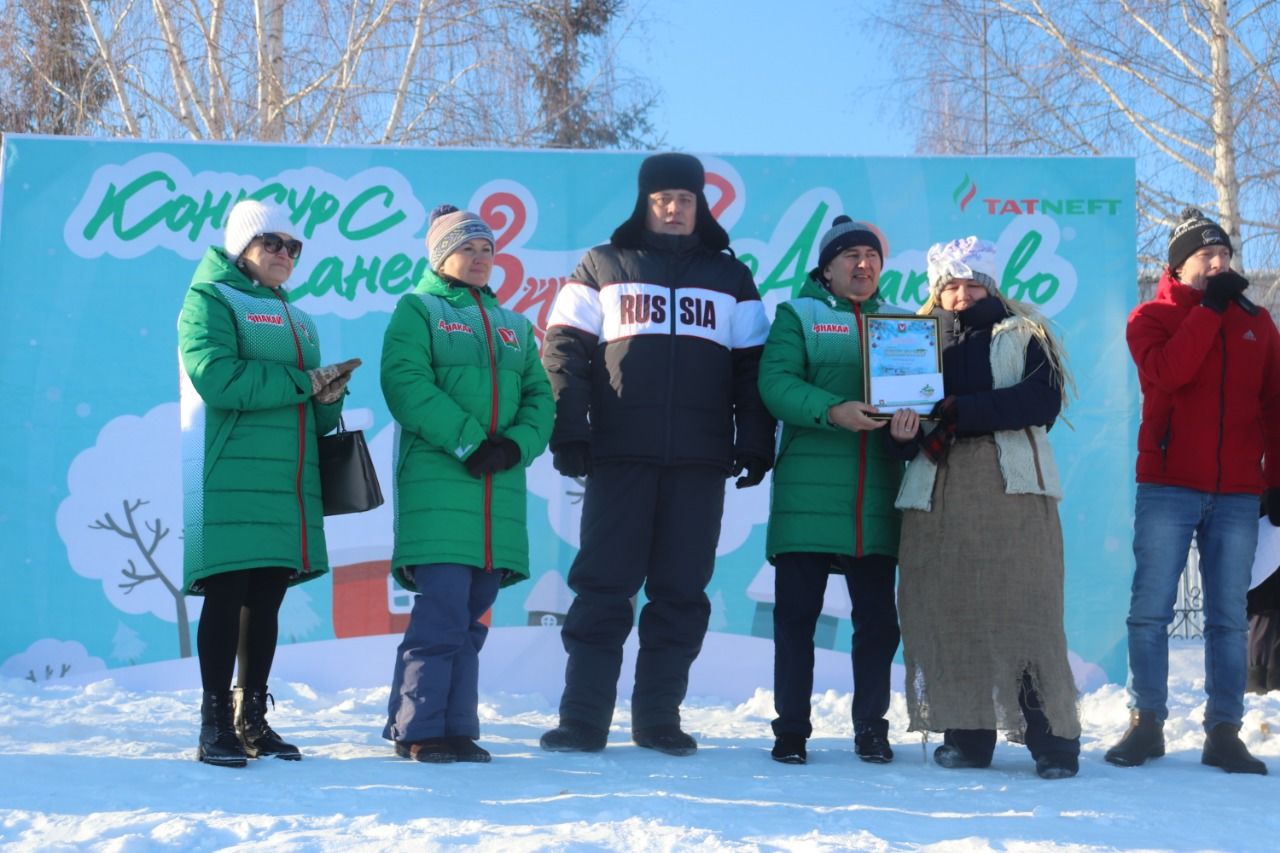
107,765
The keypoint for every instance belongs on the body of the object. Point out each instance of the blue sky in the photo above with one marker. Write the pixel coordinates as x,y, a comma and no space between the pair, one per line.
767,76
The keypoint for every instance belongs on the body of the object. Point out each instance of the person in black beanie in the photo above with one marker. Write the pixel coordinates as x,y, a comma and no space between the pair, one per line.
652,348
831,500
1209,443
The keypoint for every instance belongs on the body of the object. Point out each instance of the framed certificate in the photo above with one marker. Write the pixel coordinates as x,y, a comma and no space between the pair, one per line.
901,363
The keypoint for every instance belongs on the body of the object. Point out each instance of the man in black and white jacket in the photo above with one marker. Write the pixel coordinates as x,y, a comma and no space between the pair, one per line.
652,348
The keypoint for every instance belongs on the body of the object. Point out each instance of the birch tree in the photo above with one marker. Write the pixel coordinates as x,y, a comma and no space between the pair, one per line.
404,72
1187,87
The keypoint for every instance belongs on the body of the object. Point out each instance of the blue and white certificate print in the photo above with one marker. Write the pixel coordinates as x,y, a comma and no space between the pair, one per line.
903,365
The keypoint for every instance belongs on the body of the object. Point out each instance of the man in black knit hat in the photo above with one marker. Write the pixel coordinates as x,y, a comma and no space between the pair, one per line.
652,348
1209,443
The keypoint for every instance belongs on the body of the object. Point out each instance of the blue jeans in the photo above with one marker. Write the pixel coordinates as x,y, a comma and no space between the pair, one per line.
435,686
1226,532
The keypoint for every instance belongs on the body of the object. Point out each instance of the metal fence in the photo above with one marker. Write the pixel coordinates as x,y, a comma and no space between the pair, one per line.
1188,612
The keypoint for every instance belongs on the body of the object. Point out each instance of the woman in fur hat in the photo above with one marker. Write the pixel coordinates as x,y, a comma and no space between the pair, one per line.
980,595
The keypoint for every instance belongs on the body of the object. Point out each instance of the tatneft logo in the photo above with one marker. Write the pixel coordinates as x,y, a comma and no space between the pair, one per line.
967,190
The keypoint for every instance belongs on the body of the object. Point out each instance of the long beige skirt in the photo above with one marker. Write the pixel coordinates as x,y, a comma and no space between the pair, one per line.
980,602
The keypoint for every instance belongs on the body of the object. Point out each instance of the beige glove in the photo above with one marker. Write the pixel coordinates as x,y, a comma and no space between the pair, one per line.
329,381
333,392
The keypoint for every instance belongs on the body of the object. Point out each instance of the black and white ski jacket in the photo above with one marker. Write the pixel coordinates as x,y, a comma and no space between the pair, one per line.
653,354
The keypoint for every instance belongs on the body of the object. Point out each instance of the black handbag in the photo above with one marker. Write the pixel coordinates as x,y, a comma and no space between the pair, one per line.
348,481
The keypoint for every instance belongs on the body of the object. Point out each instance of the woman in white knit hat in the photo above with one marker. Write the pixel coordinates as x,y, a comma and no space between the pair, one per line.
255,398
981,567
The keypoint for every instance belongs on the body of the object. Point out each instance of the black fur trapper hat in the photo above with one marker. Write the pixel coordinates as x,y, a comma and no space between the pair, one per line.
671,171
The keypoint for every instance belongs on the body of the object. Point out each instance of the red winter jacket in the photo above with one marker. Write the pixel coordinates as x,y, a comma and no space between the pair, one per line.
1210,393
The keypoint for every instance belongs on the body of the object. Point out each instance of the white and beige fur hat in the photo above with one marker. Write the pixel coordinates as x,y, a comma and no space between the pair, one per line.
967,257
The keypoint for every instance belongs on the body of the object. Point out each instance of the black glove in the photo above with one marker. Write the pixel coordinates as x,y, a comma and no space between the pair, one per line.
1221,288
497,453
936,444
755,467
1271,506
573,459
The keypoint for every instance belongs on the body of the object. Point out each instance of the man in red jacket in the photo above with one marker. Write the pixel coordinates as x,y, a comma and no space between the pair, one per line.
1209,366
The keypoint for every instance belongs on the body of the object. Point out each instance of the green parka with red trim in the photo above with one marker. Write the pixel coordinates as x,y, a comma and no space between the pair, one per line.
250,475
456,368
833,490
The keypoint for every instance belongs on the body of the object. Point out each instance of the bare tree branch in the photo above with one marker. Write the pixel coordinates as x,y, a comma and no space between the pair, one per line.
1187,87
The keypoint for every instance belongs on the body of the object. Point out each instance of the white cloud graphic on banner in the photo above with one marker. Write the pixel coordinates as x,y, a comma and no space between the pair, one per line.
50,659
121,521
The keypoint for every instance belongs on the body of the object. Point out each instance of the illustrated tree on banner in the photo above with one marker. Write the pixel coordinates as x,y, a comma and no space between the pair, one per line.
126,646
124,498
147,540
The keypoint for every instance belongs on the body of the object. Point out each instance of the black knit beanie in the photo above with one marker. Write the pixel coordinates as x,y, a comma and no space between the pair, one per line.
844,233
1194,231
671,171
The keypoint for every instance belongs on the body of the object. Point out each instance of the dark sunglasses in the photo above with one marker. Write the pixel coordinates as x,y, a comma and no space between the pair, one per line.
273,243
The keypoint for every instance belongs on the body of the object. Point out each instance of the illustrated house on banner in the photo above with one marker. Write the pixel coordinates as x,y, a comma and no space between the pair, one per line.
367,600
835,606
548,602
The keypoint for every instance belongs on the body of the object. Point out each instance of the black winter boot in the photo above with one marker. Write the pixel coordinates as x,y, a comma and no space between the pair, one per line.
955,758
789,749
434,750
218,742
259,739
1223,748
871,741
466,749
1057,766
573,736
1145,739
668,739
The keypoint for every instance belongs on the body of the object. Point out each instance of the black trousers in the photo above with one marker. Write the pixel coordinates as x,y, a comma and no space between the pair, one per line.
651,527
800,583
1264,651
240,621
980,744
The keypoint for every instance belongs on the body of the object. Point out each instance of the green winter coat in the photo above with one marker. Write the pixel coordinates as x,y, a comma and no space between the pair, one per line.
833,490
250,479
456,368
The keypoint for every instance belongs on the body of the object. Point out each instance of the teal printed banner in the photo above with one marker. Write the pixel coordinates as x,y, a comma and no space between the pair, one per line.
99,238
